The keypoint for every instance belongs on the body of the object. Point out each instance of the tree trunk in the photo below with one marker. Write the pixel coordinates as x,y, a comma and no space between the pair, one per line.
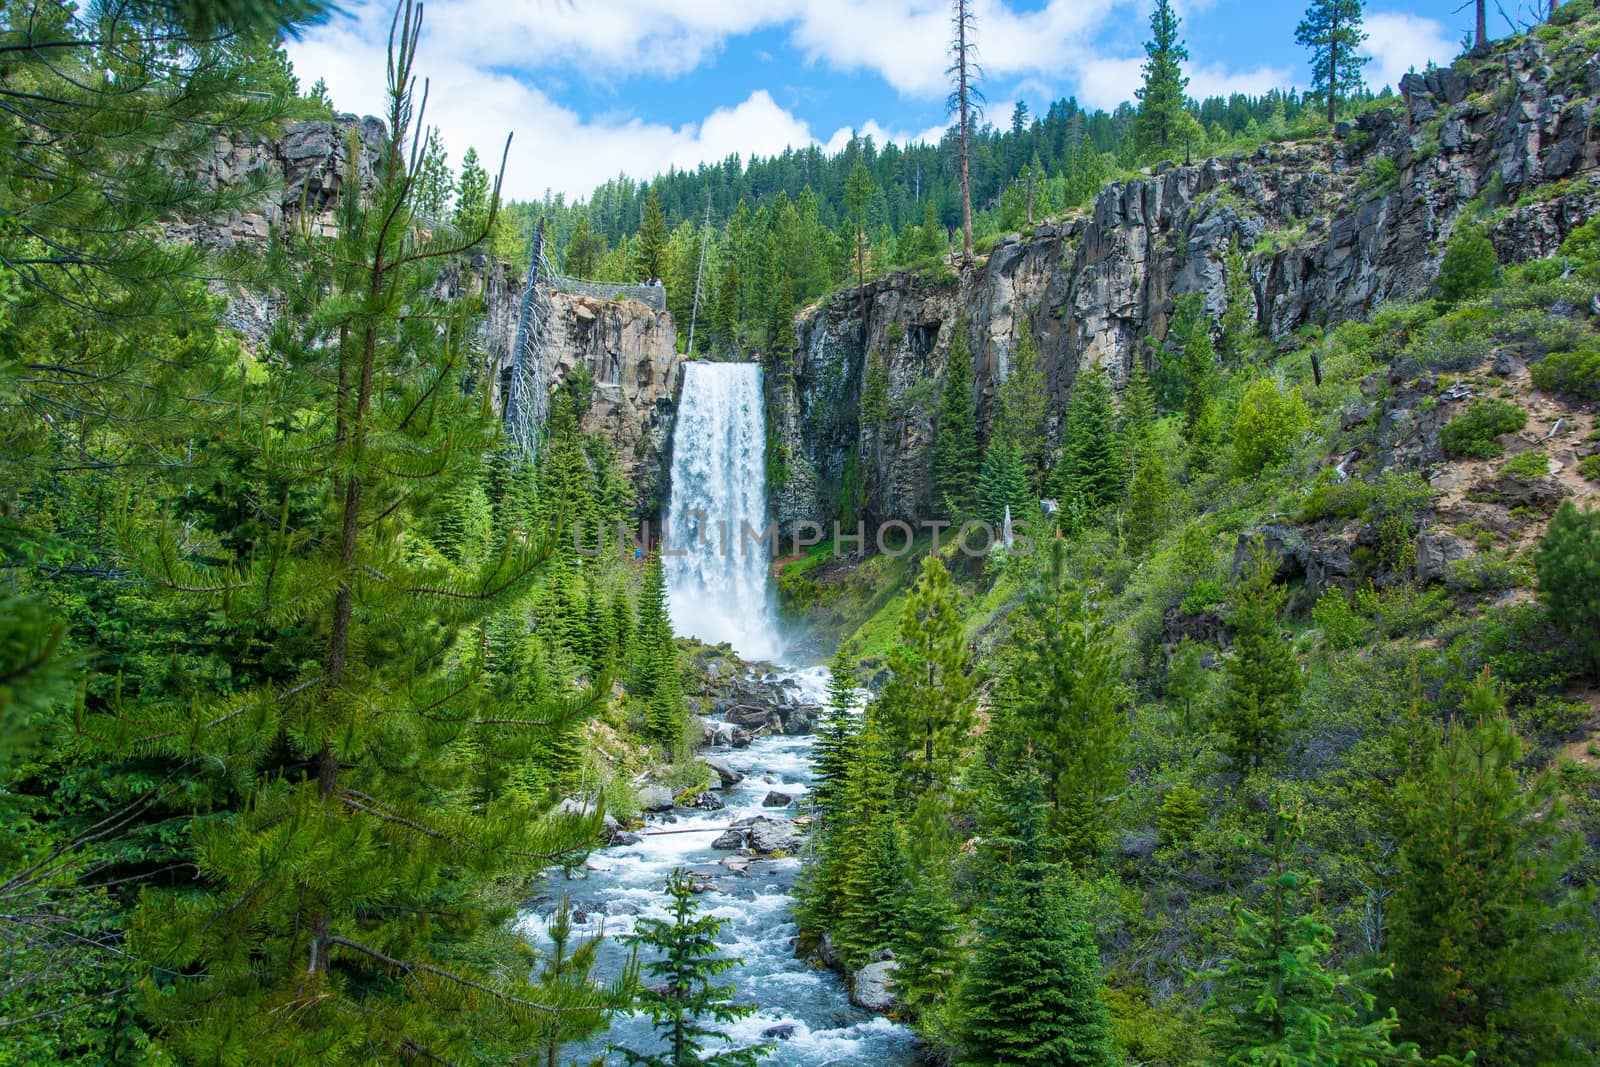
962,72
1482,40
1333,67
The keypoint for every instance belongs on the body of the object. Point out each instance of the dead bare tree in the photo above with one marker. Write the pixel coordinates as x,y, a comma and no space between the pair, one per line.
965,102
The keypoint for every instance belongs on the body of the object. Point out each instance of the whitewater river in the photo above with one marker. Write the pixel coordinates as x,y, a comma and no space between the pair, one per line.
624,883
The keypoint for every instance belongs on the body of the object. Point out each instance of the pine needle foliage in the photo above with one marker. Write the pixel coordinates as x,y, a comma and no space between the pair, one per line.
356,859
679,995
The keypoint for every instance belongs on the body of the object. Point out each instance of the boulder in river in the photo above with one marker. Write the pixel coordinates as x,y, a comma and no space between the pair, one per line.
781,1032
775,799
772,835
729,840
707,801
655,798
725,774
873,986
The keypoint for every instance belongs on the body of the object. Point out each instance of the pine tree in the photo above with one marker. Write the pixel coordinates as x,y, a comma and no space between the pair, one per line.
652,246
834,749
927,705
1275,1001
472,195
1023,399
1032,991
1262,690
584,249
1002,485
956,457
1149,502
1089,471
1488,929
1239,310
354,836
435,186
925,945
1568,561
681,1001
1068,705
1470,266
965,104
859,190
1197,362
1161,100
1332,31
870,915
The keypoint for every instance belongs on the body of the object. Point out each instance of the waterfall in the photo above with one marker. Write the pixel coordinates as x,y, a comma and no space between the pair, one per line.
717,577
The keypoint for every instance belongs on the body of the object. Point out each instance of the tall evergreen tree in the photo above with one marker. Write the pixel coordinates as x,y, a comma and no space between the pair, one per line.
859,190
435,186
1568,562
1239,311
1022,401
1068,705
1003,485
956,456
584,249
1197,365
927,704
1489,931
1089,471
1162,105
472,195
1263,685
351,850
653,237
1032,991
1149,502
834,749
1332,31
682,1003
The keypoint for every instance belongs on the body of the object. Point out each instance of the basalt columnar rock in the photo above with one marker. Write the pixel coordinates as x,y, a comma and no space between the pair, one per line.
628,347
1331,229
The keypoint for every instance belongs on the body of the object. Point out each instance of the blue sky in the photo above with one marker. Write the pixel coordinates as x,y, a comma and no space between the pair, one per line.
591,89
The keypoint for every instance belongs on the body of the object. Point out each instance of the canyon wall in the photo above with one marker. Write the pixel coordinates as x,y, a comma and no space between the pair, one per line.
628,347
1330,231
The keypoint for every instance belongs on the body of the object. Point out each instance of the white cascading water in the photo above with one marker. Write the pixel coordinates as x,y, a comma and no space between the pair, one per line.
717,576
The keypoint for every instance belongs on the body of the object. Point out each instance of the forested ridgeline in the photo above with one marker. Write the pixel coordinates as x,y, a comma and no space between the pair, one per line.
1278,740
297,659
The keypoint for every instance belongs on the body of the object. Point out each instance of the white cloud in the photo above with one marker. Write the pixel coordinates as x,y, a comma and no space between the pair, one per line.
1217,80
482,57
1397,42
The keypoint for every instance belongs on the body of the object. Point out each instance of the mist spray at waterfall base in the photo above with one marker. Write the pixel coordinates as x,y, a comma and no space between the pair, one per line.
718,582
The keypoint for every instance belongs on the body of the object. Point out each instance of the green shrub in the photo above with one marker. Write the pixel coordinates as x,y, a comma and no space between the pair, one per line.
1523,648
1398,610
1341,625
1589,467
1330,498
1582,245
1205,594
1470,265
1535,334
1457,341
1270,423
1571,12
1552,719
1576,373
1183,809
1488,572
1527,465
1473,433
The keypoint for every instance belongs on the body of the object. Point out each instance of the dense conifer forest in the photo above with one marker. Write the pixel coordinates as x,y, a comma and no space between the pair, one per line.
1272,738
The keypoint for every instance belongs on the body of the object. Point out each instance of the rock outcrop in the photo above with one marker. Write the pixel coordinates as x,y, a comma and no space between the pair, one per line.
628,348
1330,228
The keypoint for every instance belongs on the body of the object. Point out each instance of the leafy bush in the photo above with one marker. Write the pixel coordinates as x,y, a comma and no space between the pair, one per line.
1205,594
1577,373
1473,433
1589,467
1330,498
1535,334
1488,572
1341,625
1457,341
1527,465
1398,610
1269,424
1582,245
1571,12
1523,648
1552,719
1470,265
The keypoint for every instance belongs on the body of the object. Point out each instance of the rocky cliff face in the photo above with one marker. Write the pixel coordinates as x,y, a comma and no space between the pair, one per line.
1330,231
628,348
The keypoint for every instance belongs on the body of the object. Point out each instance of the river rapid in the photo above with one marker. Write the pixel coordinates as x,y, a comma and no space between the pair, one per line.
621,884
